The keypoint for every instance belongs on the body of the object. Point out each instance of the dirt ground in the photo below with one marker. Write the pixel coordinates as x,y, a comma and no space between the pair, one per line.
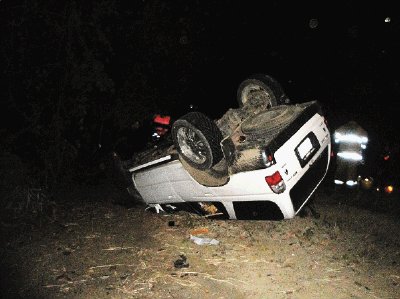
96,243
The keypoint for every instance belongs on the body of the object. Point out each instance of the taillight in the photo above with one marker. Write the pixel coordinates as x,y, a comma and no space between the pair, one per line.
268,157
275,182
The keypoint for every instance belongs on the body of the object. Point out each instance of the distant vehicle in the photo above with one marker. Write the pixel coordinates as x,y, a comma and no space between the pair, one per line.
263,160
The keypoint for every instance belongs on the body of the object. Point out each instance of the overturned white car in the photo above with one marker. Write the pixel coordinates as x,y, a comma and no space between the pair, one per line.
263,160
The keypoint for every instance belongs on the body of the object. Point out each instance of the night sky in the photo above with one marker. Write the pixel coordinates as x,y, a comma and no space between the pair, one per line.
345,56
101,64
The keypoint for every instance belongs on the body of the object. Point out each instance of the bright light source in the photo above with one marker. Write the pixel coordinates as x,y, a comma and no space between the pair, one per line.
351,183
350,138
350,156
367,183
339,182
387,20
389,189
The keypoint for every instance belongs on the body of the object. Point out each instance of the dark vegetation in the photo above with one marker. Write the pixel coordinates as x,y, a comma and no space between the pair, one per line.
80,78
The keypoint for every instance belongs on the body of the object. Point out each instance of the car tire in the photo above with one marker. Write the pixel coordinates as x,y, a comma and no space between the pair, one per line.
269,121
261,89
197,139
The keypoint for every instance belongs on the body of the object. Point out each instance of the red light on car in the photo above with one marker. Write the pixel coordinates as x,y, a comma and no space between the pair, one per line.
268,157
275,182
388,189
387,157
273,179
162,119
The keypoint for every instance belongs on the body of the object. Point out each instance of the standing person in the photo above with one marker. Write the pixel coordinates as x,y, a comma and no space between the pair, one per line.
162,126
351,141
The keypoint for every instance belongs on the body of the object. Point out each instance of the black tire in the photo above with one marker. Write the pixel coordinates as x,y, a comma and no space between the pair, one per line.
197,139
261,89
269,121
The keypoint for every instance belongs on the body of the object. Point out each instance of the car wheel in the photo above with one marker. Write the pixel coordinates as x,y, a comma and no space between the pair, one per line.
197,139
259,90
269,121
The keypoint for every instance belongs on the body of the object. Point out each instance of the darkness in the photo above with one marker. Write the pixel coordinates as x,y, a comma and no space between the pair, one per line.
81,74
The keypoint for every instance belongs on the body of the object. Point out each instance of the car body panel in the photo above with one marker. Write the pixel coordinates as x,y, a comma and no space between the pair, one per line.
166,181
